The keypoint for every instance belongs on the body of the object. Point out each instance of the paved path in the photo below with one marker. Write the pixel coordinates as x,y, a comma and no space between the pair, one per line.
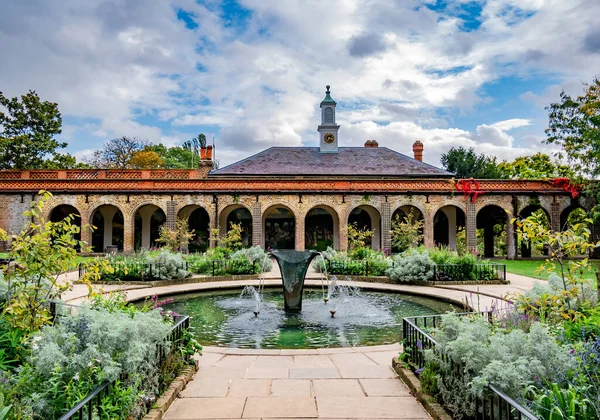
324,383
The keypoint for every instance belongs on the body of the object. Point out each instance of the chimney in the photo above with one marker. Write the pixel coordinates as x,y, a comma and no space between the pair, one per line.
206,152
418,150
209,150
371,143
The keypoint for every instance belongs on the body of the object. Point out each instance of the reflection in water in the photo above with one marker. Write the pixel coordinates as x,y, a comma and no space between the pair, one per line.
361,318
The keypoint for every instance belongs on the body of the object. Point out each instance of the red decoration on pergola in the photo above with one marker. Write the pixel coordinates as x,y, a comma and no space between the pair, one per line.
567,185
469,187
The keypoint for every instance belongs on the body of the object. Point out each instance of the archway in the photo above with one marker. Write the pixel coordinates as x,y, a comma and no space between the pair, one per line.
279,227
492,222
60,212
404,214
199,224
237,214
321,228
449,228
572,215
109,223
148,219
525,248
367,217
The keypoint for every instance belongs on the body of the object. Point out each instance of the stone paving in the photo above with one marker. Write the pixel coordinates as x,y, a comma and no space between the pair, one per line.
347,383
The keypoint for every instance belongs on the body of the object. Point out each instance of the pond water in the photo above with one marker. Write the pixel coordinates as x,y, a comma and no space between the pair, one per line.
362,318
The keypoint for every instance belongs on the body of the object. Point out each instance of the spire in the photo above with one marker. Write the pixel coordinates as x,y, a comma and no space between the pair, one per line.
328,99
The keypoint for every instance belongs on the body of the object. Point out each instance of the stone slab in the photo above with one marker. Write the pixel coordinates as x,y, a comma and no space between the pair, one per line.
267,373
291,387
383,358
337,387
371,408
351,360
274,362
205,408
216,372
206,387
273,407
359,372
236,362
384,388
319,361
312,373
250,388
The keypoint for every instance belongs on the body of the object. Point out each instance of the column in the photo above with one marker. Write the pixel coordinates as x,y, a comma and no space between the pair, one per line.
128,233
257,234
86,233
471,228
300,233
386,226
146,213
171,216
510,240
451,215
108,214
428,224
555,217
343,231
488,240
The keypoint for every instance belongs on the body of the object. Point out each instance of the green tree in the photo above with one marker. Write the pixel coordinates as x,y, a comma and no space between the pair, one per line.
117,153
176,157
465,163
538,166
27,134
406,232
575,126
42,252
175,239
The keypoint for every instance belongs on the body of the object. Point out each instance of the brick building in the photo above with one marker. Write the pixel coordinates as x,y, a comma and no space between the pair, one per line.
286,197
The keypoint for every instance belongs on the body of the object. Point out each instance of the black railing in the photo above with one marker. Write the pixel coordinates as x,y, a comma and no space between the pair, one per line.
92,403
233,267
358,267
133,271
462,272
493,404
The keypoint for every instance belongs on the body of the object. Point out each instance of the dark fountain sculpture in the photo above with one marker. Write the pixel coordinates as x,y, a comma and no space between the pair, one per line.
293,266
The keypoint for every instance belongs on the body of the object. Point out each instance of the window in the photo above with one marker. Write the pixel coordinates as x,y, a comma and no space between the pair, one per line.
328,115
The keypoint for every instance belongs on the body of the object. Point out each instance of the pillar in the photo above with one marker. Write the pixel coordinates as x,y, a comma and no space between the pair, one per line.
108,213
555,217
146,213
511,248
299,233
386,226
86,234
128,233
451,215
171,215
343,231
471,227
257,233
428,225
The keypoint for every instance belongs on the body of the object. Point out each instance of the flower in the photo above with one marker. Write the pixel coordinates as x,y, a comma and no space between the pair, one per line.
76,377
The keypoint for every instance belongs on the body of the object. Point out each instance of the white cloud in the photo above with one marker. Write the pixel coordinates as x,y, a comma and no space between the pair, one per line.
510,124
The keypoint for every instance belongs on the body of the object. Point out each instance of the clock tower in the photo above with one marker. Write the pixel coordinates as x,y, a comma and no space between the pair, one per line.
328,129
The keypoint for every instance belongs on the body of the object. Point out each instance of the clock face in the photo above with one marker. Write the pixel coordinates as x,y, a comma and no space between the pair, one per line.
329,138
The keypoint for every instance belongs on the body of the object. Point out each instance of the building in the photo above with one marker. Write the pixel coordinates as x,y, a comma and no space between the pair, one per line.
287,197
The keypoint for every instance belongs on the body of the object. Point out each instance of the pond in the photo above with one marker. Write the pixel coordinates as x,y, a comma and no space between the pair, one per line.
362,318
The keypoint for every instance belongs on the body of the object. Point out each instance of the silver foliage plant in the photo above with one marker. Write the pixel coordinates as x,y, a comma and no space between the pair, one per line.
411,266
510,360
255,254
167,265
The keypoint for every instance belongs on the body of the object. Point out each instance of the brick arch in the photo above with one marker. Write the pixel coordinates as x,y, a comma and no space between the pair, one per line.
335,217
225,210
490,243
375,219
418,206
456,202
130,236
134,209
283,234
97,205
55,204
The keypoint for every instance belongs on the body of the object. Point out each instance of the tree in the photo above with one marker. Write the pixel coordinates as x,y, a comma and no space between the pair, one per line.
175,239
117,153
406,232
27,134
466,164
232,240
145,159
358,238
575,126
176,157
538,166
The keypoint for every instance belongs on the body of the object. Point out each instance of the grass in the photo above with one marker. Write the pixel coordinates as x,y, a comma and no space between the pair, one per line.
529,268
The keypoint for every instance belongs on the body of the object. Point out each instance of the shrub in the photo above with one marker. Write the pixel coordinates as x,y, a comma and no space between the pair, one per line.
511,360
412,266
167,265
256,255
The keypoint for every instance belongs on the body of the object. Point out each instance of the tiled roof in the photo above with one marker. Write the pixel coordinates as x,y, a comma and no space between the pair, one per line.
349,161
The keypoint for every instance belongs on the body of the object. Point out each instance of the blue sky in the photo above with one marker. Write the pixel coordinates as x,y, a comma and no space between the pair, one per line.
251,73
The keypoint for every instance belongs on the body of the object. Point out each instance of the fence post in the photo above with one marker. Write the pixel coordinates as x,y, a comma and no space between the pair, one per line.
213,268
366,268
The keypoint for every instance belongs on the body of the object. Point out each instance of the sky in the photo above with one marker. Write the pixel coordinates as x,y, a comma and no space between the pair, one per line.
251,73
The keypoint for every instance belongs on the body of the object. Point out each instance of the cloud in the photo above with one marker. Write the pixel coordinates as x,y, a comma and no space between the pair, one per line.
510,124
366,44
591,42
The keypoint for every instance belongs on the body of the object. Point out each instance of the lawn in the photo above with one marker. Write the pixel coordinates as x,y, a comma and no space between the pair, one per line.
529,267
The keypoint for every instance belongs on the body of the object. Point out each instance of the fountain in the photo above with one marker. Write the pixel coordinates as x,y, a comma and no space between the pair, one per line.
293,266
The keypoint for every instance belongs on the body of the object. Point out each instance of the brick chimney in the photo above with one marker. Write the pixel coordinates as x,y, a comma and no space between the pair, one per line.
206,152
418,150
371,143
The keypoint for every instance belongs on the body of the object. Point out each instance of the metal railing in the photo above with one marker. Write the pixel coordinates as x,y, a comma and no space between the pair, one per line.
461,272
233,267
92,403
358,267
493,404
